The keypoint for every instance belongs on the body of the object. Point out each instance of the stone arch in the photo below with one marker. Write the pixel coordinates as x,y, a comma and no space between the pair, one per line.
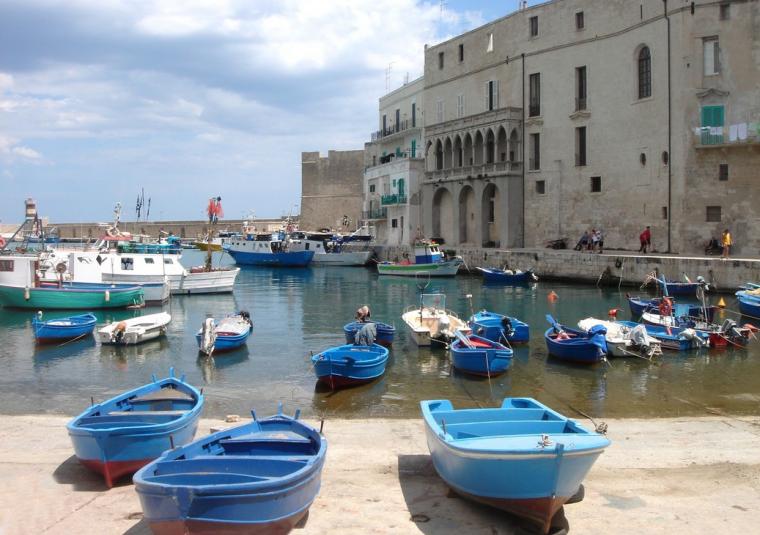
447,152
467,215
477,148
443,215
514,146
458,154
467,149
490,146
491,216
501,145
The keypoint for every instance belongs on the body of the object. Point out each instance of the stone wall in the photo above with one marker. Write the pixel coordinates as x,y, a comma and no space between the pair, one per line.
331,188
183,229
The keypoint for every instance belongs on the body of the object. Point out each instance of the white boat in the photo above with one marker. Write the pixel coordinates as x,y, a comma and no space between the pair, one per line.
428,260
331,250
135,330
431,322
623,341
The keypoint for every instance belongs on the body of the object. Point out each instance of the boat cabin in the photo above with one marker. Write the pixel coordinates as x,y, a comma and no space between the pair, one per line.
261,243
427,253
19,271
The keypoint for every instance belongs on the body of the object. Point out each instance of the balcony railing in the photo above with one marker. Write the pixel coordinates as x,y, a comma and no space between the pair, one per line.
406,124
393,199
377,213
580,104
738,134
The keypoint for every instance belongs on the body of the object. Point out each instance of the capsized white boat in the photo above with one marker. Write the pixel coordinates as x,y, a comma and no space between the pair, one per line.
135,330
431,322
623,341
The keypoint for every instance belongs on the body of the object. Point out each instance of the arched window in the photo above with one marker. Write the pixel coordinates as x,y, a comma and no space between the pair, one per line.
645,73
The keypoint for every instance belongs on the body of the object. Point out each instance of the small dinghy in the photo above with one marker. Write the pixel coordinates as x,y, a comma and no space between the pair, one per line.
623,340
260,477
385,332
749,302
479,356
507,276
522,457
118,436
576,346
350,365
59,329
135,330
498,327
228,334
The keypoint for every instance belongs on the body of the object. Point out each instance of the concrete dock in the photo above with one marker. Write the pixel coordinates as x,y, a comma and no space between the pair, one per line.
683,475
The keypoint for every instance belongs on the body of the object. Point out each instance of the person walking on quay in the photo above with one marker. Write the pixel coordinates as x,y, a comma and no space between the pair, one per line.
645,238
599,240
726,242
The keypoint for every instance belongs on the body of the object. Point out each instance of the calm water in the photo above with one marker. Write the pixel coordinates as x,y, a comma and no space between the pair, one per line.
299,311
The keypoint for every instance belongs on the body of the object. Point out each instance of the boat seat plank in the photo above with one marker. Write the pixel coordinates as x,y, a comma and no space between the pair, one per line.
148,413
529,427
478,415
164,394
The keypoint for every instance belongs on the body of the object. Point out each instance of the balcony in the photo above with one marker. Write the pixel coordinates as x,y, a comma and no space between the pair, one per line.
401,126
377,213
580,103
744,134
393,199
475,171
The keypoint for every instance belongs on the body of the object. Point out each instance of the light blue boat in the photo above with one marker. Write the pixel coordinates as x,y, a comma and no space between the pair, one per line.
350,365
522,457
479,356
118,436
749,304
498,327
59,329
260,477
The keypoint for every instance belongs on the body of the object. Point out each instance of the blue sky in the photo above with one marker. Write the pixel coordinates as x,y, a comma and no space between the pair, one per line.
191,98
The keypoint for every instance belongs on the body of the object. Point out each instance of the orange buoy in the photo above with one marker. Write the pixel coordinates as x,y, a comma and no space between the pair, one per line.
552,296
722,303
613,312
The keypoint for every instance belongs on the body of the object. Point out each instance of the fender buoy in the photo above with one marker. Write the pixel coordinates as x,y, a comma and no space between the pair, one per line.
552,296
2,242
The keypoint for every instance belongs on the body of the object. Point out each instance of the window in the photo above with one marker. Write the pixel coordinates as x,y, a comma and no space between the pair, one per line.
460,105
712,125
645,73
535,152
385,124
127,264
492,207
168,261
414,148
6,265
643,158
712,55
394,223
461,53
580,146
596,184
414,114
580,88
712,214
579,20
725,11
534,26
492,95
372,188
489,46
439,111
440,60
723,172
307,244
534,108
540,187
664,212
665,157
148,260
374,160
398,119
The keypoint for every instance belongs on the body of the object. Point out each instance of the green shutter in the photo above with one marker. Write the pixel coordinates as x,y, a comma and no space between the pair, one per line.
400,186
414,148
712,115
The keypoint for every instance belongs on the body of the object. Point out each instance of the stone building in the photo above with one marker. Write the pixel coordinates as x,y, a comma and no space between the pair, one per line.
613,114
331,189
395,166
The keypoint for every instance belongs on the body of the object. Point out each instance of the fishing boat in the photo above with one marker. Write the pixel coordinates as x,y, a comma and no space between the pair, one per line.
623,340
498,327
522,457
639,305
225,335
431,322
350,365
428,260
330,249
134,330
267,250
385,332
217,243
118,436
479,356
673,338
259,477
726,334
672,287
507,276
582,347
59,329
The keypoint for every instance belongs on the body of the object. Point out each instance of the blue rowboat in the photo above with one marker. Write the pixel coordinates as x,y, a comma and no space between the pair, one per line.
673,338
498,327
385,332
69,328
227,334
118,436
260,477
479,356
749,304
522,457
502,276
350,365
583,347
670,287
640,305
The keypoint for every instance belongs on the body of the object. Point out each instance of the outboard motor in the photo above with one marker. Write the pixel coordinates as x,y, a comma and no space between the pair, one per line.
245,315
507,327
208,335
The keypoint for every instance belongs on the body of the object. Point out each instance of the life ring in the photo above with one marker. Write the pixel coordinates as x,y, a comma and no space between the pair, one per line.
2,242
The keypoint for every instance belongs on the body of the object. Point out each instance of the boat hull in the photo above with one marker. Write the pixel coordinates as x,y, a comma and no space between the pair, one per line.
350,365
344,258
679,288
54,298
49,331
579,351
490,325
285,259
385,332
499,277
225,343
749,306
448,268
483,361
205,527
191,282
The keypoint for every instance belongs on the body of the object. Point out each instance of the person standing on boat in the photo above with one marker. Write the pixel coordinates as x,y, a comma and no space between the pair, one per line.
726,241
363,314
645,238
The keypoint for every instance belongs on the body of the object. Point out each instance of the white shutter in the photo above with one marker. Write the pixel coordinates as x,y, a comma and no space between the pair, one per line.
496,97
709,56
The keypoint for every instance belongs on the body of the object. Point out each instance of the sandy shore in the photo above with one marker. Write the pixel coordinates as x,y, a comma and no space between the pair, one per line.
685,475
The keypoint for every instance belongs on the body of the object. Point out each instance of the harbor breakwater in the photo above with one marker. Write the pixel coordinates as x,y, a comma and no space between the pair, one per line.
613,268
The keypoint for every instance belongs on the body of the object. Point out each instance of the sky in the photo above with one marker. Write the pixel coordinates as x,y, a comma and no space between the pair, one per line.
189,99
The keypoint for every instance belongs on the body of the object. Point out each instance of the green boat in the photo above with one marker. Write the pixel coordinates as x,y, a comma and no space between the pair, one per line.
428,261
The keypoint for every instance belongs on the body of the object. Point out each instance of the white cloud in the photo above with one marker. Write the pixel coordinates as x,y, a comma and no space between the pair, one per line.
10,149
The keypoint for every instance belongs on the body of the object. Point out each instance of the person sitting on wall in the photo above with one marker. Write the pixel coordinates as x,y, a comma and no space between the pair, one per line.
405,261
583,242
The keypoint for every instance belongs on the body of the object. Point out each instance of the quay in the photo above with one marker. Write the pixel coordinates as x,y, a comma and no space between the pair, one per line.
694,475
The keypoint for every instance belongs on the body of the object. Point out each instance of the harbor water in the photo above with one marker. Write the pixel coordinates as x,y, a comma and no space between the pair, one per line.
297,312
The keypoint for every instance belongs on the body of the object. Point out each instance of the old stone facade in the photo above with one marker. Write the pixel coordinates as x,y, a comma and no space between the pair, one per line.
331,190
609,114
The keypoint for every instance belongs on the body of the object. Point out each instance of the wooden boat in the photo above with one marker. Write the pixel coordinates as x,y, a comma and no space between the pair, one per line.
507,276
624,340
228,334
385,332
583,347
428,261
673,338
522,457
135,330
260,477
350,365
58,329
479,356
498,327
432,322
118,436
